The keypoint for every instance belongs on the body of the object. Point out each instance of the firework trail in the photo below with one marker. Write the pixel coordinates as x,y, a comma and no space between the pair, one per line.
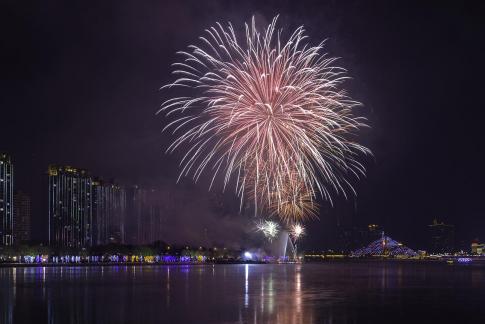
259,108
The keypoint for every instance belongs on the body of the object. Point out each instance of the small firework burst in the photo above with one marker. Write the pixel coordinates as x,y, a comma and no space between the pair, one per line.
296,231
269,228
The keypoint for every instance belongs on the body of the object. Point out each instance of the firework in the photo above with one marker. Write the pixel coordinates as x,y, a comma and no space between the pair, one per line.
295,206
294,202
259,109
270,229
296,231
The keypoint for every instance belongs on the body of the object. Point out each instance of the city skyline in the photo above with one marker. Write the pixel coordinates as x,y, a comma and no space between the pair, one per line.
123,214
82,210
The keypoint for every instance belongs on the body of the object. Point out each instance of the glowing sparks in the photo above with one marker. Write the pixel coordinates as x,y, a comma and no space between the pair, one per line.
297,231
294,202
267,113
270,229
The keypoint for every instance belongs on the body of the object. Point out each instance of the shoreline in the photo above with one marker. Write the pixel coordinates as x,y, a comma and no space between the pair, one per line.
480,261
110,264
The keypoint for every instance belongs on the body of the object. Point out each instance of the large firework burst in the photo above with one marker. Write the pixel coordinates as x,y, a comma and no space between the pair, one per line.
263,108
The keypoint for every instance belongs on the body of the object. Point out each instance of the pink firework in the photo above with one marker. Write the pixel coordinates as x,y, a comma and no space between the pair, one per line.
260,109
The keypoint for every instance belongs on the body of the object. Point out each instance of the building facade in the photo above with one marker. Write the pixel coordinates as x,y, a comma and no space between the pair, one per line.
144,210
6,201
70,207
109,212
22,217
86,211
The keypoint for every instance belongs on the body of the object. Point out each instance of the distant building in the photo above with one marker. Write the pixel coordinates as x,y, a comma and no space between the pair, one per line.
442,237
86,211
355,237
477,248
144,210
6,200
70,207
109,212
22,218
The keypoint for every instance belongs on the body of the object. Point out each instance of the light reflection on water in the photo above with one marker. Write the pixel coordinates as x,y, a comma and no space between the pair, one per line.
338,292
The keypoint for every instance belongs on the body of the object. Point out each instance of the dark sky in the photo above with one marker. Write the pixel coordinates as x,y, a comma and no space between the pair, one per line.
80,80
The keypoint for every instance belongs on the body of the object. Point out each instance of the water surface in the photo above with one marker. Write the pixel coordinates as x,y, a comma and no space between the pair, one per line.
334,292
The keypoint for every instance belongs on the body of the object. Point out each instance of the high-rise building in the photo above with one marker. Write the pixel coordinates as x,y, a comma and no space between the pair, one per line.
144,209
136,200
442,237
6,200
70,207
21,220
109,212
355,237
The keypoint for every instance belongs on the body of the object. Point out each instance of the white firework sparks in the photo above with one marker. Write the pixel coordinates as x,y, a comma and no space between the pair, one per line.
270,229
296,231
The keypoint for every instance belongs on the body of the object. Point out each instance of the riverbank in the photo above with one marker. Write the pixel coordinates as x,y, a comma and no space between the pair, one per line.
450,261
104,264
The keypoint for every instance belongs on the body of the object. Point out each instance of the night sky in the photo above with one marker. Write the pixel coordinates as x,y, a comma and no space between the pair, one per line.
80,86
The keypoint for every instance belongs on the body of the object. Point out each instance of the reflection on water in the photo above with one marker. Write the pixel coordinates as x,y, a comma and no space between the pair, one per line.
339,292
